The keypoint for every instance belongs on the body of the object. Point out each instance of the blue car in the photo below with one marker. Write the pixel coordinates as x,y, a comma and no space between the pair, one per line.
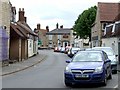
88,67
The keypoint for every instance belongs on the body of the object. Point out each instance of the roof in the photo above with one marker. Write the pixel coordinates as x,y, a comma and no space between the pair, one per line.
26,27
60,31
108,11
14,27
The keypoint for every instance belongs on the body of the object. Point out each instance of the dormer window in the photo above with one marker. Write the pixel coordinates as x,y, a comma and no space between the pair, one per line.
104,25
113,29
105,31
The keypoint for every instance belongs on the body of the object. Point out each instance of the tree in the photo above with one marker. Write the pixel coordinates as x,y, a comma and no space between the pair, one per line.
84,23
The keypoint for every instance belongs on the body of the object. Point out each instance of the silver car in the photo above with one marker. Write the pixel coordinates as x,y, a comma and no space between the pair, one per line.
111,56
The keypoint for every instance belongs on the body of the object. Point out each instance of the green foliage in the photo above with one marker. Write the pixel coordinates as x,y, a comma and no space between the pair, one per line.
84,22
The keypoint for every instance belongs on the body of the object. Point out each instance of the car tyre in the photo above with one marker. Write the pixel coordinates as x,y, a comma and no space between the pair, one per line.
110,76
105,81
115,71
68,84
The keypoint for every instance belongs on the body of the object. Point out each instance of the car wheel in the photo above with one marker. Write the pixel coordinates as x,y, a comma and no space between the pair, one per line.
68,84
110,76
115,71
105,81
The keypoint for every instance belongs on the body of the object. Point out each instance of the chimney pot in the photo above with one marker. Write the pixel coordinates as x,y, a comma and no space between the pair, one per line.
61,26
22,9
19,9
21,15
38,26
57,25
25,19
47,28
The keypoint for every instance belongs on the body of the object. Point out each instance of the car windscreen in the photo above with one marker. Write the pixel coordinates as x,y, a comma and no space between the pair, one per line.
88,57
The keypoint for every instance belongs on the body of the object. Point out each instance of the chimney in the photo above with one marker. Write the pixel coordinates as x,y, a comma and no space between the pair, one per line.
25,19
38,26
47,28
36,31
21,15
57,25
61,26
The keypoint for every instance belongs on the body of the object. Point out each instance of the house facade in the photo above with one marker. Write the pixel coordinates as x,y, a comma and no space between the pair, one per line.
60,37
5,6
42,37
106,14
3,46
111,37
23,41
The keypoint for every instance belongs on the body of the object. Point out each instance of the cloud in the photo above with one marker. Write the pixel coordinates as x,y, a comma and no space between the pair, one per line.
49,12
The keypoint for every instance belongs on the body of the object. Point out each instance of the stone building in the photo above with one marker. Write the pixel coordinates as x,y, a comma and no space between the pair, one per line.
42,37
106,14
5,10
60,37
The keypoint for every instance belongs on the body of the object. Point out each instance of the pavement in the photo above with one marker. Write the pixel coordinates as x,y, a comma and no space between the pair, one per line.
19,66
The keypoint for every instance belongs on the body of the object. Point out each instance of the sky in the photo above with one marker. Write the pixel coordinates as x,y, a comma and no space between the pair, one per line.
51,12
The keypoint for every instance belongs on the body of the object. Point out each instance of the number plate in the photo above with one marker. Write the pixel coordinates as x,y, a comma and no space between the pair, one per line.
81,75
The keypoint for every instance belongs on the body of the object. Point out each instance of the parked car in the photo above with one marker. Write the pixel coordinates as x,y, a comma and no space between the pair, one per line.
111,56
57,49
73,51
67,49
62,50
88,67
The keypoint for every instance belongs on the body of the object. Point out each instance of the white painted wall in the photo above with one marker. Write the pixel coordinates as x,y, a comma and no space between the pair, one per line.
30,48
111,42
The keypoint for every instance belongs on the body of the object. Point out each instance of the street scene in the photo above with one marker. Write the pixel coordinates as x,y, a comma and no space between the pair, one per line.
47,74
60,44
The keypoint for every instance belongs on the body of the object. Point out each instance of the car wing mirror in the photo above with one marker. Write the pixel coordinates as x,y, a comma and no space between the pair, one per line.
108,60
68,61
116,55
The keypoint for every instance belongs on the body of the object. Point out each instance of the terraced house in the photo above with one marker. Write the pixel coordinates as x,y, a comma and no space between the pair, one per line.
23,41
106,14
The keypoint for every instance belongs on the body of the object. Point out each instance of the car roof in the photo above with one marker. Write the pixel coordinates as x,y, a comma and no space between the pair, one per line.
101,47
100,51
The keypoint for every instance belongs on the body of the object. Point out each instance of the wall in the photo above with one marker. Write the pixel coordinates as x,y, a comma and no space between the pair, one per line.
96,31
5,16
30,48
111,42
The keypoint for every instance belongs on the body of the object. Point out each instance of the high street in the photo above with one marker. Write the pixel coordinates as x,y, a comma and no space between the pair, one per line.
47,74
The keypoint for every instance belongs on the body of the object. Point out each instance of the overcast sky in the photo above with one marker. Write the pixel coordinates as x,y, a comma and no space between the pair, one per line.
50,12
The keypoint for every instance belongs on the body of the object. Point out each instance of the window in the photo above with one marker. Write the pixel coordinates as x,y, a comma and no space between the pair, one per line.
65,36
105,56
59,37
50,37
